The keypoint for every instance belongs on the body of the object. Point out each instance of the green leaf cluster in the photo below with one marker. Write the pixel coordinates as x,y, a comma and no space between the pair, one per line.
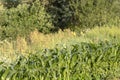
84,61
23,16
84,13
24,19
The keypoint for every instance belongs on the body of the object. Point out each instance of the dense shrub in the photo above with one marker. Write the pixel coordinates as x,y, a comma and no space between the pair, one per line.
60,11
21,20
85,61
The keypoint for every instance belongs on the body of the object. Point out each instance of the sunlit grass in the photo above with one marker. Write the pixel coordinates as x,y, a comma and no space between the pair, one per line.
49,40
104,33
37,41
1,7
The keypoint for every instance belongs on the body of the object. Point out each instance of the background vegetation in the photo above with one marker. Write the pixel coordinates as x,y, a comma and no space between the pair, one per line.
59,39
21,17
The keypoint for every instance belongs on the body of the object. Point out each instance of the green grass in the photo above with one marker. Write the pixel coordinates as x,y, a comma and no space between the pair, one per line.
104,33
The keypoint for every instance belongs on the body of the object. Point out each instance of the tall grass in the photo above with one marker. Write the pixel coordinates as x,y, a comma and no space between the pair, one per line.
104,33
1,7
37,41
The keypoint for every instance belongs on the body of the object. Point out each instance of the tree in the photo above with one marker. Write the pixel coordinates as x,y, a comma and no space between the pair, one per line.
11,3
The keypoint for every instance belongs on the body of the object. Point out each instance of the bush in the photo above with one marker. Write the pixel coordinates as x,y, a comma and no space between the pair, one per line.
25,18
60,12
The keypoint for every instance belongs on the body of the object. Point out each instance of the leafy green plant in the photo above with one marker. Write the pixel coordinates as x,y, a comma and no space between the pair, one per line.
83,13
25,18
85,61
10,3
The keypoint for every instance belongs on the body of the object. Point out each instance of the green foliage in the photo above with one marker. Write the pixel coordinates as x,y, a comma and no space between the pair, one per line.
85,61
49,15
23,19
11,3
60,11
84,13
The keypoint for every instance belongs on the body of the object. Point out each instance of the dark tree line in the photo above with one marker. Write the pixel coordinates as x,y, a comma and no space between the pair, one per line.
73,14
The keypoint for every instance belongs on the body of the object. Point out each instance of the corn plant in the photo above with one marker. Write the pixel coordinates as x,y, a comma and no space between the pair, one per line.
84,61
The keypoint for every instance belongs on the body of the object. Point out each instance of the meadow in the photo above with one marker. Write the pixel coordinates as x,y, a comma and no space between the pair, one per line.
92,54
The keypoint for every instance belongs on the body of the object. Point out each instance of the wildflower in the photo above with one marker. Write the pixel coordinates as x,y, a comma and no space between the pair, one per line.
74,33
